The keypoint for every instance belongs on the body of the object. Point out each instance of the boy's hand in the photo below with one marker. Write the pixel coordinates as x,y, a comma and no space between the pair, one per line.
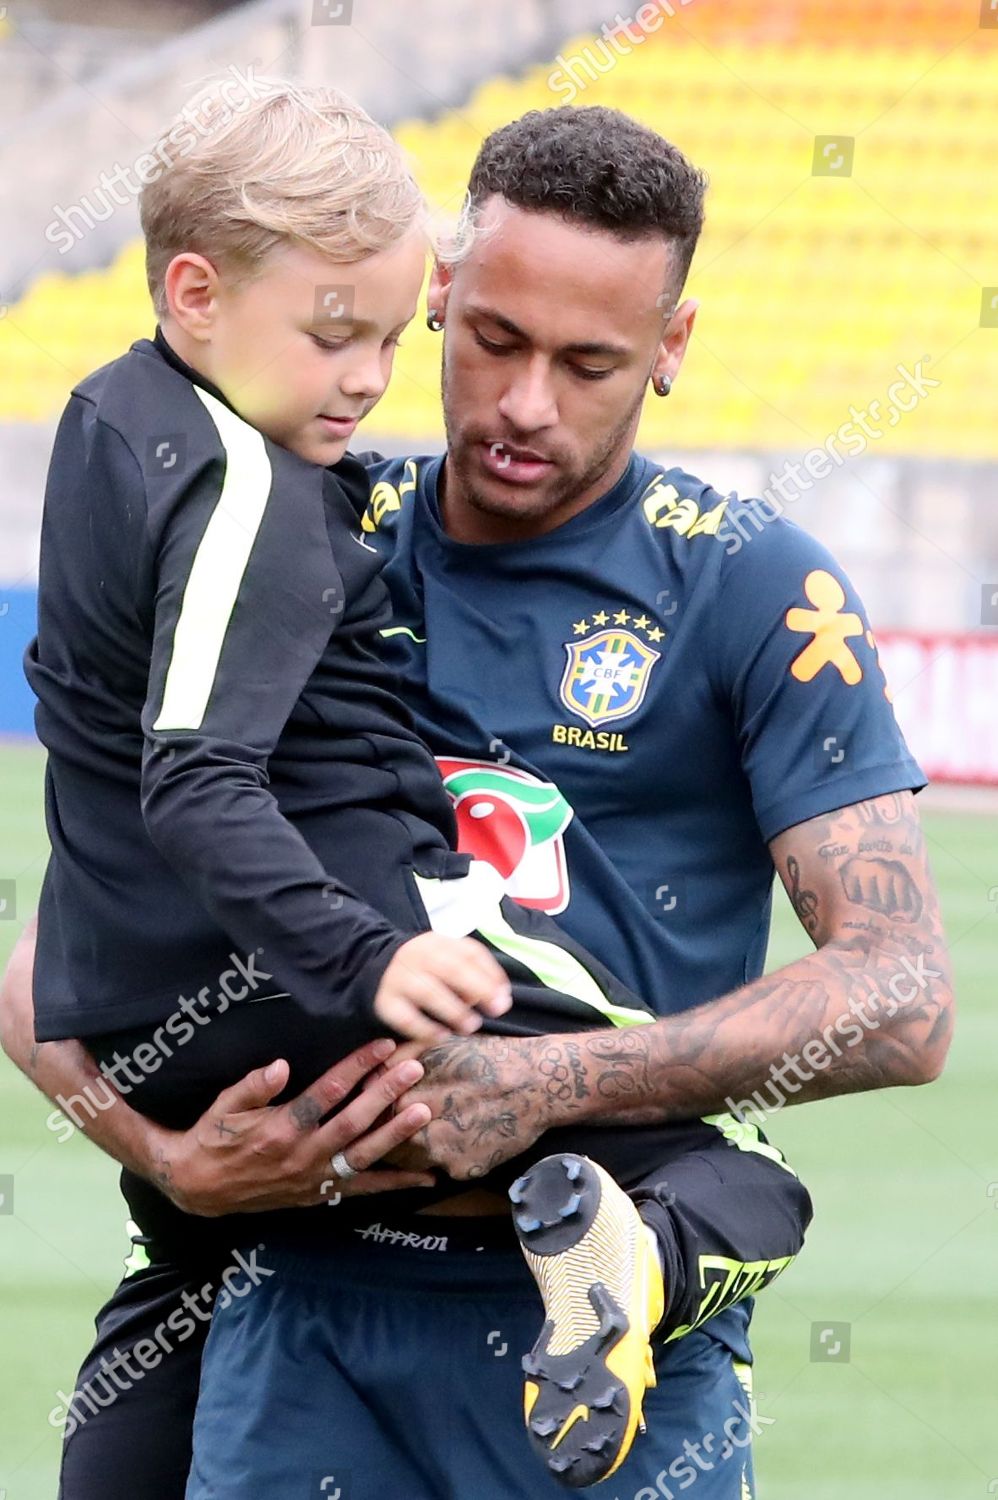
435,986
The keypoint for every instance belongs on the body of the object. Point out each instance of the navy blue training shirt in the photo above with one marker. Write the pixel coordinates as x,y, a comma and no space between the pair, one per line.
627,709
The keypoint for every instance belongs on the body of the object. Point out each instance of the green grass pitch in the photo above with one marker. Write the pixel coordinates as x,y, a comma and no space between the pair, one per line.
904,1248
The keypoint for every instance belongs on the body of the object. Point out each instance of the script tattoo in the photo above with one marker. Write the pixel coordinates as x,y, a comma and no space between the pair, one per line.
622,1063
580,1082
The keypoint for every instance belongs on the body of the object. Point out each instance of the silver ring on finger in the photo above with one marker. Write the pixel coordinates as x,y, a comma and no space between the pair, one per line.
341,1168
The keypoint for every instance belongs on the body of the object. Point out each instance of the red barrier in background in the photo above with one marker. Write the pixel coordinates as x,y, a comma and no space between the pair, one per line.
945,691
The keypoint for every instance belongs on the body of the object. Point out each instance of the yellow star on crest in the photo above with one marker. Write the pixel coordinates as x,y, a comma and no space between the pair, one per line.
601,618
580,627
656,634
621,617
641,622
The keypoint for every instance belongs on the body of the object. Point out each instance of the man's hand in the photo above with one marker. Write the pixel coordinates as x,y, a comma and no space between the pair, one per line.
245,1155
490,1098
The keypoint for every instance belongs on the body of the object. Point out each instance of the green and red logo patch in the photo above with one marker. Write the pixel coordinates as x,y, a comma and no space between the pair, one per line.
515,822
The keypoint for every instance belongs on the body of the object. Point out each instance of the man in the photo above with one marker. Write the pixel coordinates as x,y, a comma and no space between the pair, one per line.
639,693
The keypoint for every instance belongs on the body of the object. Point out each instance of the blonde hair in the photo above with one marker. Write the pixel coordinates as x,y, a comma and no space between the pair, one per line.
291,162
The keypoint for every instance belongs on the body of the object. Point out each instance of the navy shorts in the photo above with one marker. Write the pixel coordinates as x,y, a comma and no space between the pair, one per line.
392,1368
411,1327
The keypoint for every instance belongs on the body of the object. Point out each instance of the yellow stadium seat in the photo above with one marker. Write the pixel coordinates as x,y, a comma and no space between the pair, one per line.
812,289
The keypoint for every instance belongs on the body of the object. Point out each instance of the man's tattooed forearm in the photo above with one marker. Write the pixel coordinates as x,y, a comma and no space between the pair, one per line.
871,1008
853,1016
619,1069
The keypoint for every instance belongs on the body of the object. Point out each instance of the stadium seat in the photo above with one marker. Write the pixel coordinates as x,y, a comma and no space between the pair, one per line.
813,290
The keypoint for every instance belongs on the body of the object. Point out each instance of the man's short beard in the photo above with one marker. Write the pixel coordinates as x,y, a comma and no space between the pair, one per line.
566,488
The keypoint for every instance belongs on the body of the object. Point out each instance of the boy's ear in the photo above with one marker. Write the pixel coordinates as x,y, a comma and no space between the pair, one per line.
438,289
191,285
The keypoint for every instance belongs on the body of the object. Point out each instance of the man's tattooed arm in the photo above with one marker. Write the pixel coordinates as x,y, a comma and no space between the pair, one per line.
872,1008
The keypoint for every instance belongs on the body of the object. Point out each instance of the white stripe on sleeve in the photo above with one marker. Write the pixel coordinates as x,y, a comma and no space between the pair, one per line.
217,571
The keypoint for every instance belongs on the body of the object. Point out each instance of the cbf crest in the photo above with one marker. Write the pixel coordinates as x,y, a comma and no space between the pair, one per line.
607,673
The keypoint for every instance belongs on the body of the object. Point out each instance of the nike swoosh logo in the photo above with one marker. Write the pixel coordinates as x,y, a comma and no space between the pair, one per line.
403,630
577,1414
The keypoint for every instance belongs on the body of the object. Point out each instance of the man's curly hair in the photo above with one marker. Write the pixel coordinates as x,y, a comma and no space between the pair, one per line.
598,168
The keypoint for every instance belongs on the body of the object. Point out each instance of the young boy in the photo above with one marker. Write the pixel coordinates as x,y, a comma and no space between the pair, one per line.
235,792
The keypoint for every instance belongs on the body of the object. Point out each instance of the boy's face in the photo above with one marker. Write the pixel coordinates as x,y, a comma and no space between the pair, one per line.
305,350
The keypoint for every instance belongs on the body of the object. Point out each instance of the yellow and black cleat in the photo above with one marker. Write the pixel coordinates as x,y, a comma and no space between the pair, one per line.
597,1266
